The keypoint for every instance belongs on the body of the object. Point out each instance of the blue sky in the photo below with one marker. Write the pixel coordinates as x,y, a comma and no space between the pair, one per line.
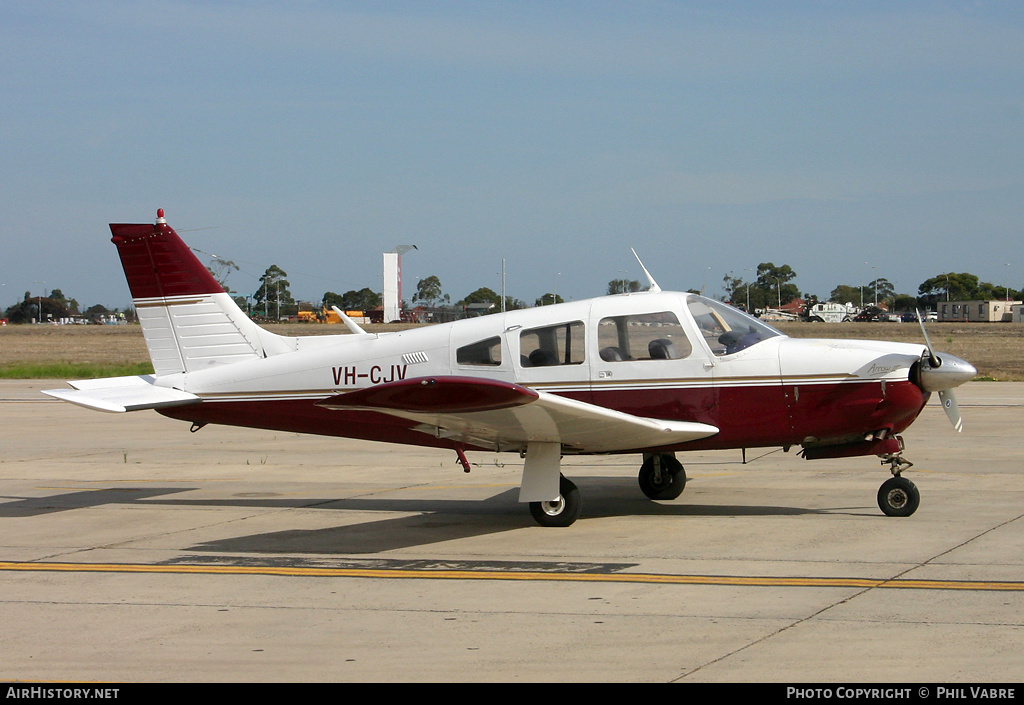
846,139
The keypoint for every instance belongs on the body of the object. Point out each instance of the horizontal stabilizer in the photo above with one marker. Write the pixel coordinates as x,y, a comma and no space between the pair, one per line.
505,416
120,394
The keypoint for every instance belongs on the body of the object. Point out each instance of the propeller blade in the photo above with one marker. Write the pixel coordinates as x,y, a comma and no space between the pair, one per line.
951,408
946,396
935,362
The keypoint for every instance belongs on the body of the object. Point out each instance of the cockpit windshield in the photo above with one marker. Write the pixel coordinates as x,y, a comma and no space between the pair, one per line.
727,330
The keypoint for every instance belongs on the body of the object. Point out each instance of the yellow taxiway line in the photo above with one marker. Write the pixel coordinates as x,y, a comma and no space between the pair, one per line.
433,574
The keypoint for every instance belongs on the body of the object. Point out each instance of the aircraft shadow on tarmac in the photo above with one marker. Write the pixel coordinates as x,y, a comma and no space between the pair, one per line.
431,520
439,520
15,507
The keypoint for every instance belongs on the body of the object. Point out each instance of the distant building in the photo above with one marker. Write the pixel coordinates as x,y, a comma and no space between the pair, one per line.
1018,313
795,306
977,311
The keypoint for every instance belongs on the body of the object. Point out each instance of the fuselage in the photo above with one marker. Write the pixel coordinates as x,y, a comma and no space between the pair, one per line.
663,355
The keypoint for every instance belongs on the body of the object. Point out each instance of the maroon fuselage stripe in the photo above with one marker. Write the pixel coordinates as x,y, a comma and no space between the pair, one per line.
751,416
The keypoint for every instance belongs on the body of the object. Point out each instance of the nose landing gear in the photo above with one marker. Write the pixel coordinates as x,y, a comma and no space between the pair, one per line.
898,496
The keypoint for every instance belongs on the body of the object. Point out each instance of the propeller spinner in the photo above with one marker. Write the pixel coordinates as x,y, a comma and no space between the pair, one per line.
942,374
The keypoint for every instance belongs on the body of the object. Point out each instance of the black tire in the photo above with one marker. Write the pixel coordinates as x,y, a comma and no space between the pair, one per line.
671,483
562,511
898,497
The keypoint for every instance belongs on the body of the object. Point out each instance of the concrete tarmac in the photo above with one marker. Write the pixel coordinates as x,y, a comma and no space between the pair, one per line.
132,550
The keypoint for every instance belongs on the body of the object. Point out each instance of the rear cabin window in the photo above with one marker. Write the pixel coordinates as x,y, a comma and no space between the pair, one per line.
561,344
647,336
485,352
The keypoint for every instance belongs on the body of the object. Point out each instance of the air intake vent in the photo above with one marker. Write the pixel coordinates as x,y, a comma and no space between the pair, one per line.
414,358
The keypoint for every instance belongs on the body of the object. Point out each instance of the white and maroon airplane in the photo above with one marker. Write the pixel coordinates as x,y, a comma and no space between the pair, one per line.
651,373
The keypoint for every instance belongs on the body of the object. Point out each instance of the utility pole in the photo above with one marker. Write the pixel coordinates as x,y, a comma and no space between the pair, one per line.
39,303
748,269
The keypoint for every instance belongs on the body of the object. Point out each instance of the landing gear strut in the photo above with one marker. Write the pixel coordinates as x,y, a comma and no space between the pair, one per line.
898,496
662,476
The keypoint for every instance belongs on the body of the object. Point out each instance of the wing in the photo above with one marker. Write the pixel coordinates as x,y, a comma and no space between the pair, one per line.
120,394
505,416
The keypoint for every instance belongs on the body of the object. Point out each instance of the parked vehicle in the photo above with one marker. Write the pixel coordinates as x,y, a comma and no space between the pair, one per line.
872,313
829,312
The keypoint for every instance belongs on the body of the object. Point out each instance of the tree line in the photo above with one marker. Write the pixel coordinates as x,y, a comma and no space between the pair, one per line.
769,286
773,286
55,306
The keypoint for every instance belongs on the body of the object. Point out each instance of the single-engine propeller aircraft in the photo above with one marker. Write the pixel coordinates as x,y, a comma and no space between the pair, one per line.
651,373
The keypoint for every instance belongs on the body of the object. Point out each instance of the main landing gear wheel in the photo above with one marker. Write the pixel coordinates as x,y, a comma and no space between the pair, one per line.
898,497
562,511
662,477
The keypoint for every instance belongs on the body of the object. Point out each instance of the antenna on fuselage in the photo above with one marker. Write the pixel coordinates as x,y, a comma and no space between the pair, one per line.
352,325
653,284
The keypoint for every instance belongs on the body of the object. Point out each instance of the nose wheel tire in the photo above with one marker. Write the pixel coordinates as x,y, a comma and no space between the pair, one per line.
562,511
898,497
662,477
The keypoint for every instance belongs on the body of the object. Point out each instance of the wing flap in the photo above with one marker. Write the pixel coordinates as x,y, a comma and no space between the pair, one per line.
507,416
121,394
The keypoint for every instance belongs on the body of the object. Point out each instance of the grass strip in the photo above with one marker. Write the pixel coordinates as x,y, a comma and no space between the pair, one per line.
72,370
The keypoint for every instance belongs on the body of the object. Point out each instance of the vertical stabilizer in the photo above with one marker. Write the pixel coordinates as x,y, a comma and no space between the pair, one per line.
188,320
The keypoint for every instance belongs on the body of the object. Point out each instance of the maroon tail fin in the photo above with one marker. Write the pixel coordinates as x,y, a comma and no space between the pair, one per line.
187,319
158,263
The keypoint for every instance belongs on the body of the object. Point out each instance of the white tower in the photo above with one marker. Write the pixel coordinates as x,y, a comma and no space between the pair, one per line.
393,282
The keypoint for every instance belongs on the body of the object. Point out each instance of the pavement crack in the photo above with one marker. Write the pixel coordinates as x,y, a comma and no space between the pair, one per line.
901,574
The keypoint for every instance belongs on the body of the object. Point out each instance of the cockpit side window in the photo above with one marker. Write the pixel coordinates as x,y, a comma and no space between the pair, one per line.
561,344
725,329
647,336
484,352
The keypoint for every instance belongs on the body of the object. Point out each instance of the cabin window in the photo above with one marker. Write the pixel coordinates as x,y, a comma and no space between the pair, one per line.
560,344
725,329
647,336
485,352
